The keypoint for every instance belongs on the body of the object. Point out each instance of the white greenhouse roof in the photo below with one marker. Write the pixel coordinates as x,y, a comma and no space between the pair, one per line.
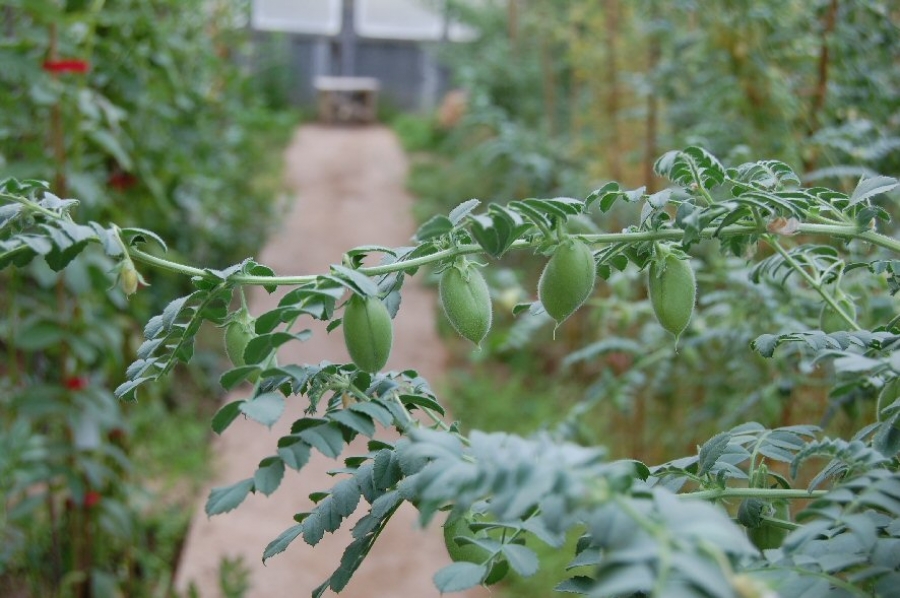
419,20
313,17
398,19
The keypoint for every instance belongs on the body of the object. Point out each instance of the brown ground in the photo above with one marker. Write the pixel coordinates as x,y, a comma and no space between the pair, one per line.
349,192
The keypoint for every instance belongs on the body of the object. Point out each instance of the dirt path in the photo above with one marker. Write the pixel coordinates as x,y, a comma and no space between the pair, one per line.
349,191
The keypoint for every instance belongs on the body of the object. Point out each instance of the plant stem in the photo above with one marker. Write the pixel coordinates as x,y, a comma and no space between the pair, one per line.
30,205
845,231
771,493
168,265
815,284
781,523
849,231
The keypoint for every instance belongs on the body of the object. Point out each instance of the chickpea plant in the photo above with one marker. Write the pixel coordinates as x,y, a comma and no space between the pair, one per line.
731,520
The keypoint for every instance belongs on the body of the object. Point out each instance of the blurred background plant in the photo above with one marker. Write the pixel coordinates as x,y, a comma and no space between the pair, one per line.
143,111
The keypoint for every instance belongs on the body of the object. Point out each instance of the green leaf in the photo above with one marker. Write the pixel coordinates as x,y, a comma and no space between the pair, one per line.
463,210
268,321
540,531
497,230
871,187
358,422
39,244
711,450
227,498
269,475
59,258
765,344
386,469
327,439
613,579
422,401
357,254
353,556
523,560
887,438
136,235
688,217
235,376
580,584
692,165
606,195
259,348
254,269
265,408
375,411
313,529
703,573
359,283
226,415
340,504
459,576
284,539
434,228
293,451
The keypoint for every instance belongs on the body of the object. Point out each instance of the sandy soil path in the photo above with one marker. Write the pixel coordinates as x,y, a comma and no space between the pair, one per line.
348,186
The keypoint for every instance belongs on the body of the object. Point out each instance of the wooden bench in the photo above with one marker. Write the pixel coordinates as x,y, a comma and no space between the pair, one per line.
347,99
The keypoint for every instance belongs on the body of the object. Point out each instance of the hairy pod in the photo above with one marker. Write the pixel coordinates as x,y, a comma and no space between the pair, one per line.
238,334
129,279
831,321
368,332
567,280
466,300
767,536
673,291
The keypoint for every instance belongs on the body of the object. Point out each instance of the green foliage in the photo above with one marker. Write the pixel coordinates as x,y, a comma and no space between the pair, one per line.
662,530
416,133
161,122
565,95
138,108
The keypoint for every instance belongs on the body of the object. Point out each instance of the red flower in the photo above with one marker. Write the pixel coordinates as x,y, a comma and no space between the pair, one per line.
66,66
121,181
76,383
91,499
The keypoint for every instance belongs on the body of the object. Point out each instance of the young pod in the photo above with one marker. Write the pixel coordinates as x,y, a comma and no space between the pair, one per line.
768,536
129,280
466,300
368,332
673,291
567,280
238,334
